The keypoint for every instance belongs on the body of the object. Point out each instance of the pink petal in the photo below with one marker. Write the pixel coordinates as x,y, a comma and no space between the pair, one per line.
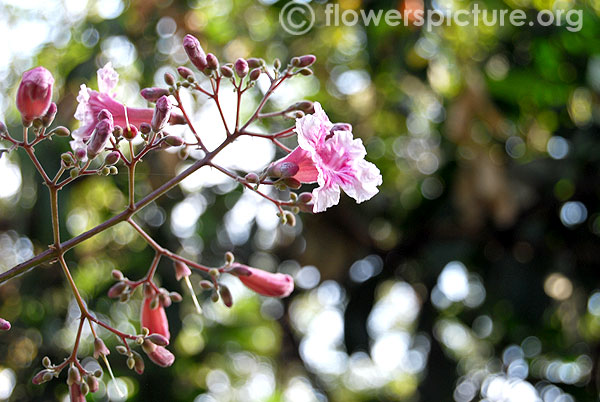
107,79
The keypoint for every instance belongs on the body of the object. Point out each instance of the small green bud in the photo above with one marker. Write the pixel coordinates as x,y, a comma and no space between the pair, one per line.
74,173
46,362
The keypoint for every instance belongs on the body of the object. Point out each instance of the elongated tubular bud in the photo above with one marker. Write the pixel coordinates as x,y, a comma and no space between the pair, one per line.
196,54
50,115
100,137
161,113
153,94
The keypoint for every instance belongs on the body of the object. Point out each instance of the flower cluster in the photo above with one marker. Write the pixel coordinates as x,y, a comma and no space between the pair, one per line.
326,154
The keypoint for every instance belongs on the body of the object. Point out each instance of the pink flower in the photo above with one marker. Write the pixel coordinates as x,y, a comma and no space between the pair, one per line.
34,94
329,155
155,319
265,283
91,102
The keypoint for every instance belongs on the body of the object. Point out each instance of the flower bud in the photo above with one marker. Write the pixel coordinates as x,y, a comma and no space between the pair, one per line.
154,93
267,283
277,64
74,375
306,71
241,67
307,60
290,219
254,62
117,132
162,111
161,356
85,389
173,141
110,160
158,339
117,289
239,271
42,376
185,72
292,183
4,325
305,198
196,54
34,94
226,295
214,296
92,383
48,118
169,79
283,169
113,170
100,137
255,73
212,62
75,393
204,284
175,297
181,270
100,348
145,128
46,362
130,362
252,178
295,61
74,173
139,363
226,71
121,350
80,154
61,131
129,133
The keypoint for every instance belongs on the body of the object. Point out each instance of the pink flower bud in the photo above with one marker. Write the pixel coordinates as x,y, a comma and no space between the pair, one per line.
42,377
161,113
158,339
34,94
307,60
226,71
97,143
195,52
4,325
117,289
92,383
185,72
75,393
283,169
100,348
155,319
159,355
241,67
50,115
267,283
153,94
181,270
212,62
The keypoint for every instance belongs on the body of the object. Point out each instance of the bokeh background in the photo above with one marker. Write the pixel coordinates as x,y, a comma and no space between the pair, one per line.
473,275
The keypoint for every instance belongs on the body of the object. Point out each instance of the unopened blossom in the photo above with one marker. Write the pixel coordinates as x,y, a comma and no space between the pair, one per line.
91,102
158,354
162,112
155,319
194,50
34,95
329,155
4,325
100,137
266,283
75,393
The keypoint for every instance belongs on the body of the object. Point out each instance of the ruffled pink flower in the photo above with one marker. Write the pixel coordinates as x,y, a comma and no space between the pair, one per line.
329,155
91,102
266,283
155,319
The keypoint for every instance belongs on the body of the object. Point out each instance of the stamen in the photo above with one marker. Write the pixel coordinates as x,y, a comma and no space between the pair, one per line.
119,391
190,287
126,117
